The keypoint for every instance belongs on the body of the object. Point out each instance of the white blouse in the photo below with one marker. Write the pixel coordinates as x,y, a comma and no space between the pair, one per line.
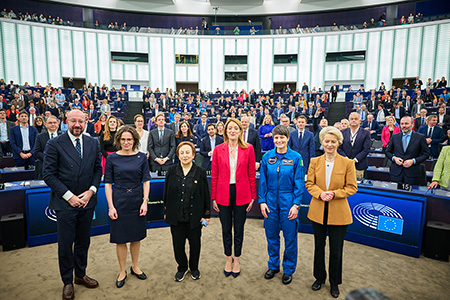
233,165
143,147
329,169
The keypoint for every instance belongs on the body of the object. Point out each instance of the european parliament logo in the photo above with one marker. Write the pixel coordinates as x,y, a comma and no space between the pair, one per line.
51,214
379,216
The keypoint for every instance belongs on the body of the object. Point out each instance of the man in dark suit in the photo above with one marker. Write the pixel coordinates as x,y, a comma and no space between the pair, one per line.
317,145
398,112
372,104
356,144
418,83
52,124
334,92
207,146
302,141
277,112
72,169
22,139
420,121
371,126
5,130
200,128
93,114
156,110
434,135
174,126
408,105
161,145
251,136
89,128
443,118
407,150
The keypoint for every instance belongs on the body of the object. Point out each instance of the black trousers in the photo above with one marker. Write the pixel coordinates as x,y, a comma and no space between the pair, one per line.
405,179
180,233
226,219
336,236
6,148
74,237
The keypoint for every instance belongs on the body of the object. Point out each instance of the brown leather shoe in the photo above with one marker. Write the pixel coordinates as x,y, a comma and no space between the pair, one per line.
87,282
68,292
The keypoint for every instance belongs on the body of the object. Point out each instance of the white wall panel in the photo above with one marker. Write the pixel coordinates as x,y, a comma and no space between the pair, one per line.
230,85
142,44
360,41
79,54
180,73
25,54
10,54
53,59
180,46
385,66
372,60
400,53
266,64
344,72
292,46
442,61
129,43
204,61
279,73
155,63
117,71
92,71
332,43
318,61
104,59
142,71
2,65
192,46
358,71
229,68
192,73
65,48
130,72
279,46
291,73
304,70
414,52
230,47
330,71
346,42
115,42
428,53
39,55
254,67
242,47
168,58
217,76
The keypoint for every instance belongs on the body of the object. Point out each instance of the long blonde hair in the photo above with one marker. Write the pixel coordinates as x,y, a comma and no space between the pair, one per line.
107,131
241,141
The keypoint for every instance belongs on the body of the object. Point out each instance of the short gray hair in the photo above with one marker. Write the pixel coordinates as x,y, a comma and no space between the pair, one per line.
281,130
331,130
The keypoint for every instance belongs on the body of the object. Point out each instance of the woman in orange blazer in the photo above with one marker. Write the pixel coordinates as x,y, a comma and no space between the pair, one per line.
331,179
233,189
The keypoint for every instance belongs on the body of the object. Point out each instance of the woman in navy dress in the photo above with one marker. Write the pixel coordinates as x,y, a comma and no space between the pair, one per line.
127,201
265,133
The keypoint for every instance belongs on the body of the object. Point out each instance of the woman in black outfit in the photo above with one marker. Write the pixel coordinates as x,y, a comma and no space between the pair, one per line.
107,139
187,205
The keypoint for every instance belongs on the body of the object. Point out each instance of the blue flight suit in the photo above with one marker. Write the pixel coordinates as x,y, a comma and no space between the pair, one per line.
281,185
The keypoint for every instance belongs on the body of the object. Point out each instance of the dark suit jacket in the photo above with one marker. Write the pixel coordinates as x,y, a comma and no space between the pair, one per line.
306,148
402,112
165,148
446,123
94,115
90,129
16,142
360,148
9,125
418,123
64,170
173,127
372,107
436,138
200,133
255,141
375,126
317,144
41,141
417,149
205,147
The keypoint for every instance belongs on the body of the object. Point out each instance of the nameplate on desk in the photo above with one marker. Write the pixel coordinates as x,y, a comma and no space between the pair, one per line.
2,186
404,186
162,173
14,169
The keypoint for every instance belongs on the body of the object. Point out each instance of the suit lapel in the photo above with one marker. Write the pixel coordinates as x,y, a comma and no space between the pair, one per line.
226,155
70,149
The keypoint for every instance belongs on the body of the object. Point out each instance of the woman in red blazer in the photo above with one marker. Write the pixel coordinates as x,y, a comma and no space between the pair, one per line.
233,189
390,129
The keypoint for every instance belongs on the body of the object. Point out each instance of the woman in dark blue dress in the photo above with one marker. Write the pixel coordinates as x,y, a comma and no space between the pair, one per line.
128,170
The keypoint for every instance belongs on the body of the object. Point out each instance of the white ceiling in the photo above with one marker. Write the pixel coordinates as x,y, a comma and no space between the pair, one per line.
228,7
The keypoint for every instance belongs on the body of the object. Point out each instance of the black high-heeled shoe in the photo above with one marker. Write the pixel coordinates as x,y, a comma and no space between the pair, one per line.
228,273
334,291
141,276
121,283
317,285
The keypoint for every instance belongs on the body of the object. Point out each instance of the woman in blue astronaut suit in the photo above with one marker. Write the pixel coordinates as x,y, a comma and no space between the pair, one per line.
281,185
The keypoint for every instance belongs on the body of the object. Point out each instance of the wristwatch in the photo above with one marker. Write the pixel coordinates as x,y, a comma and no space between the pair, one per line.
297,206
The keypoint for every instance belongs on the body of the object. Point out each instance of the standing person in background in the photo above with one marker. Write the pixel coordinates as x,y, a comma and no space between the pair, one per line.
280,202
22,139
100,125
184,133
388,131
143,134
41,141
331,179
441,171
251,136
302,141
186,205
265,133
334,90
207,146
233,190
72,170
128,170
107,139
434,135
5,130
161,145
